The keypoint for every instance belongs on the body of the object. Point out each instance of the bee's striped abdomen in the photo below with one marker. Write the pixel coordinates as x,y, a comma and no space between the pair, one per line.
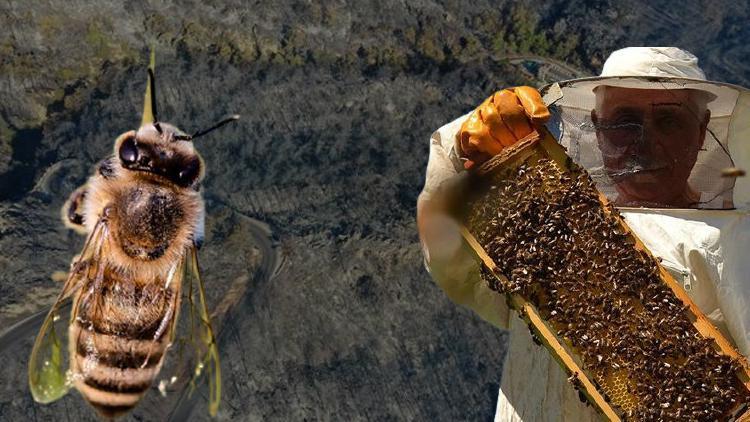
115,344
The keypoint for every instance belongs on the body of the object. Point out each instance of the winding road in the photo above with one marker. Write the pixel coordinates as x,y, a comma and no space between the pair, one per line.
557,69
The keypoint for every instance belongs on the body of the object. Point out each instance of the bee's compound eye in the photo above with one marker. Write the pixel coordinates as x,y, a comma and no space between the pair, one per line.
190,172
128,151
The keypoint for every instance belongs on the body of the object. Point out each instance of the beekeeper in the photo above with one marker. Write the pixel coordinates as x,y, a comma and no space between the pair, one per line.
655,137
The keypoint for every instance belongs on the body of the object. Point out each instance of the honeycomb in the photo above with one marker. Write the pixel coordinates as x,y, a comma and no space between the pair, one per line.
616,388
560,249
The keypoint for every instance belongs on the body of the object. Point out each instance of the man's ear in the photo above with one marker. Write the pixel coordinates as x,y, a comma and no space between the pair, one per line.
594,120
704,128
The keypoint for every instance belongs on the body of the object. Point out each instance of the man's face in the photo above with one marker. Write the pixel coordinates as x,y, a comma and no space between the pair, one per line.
649,139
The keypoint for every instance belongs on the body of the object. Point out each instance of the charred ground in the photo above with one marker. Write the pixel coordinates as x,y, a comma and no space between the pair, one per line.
338,102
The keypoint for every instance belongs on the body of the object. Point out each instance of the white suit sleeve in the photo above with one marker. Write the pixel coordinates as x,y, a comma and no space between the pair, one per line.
448,258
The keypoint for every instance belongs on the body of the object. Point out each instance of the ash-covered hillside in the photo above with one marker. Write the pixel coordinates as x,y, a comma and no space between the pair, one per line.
338,101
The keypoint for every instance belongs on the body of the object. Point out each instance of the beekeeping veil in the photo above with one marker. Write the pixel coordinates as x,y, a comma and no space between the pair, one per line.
618,150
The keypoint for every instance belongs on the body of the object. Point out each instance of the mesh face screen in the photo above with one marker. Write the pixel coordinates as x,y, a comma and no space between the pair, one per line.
662,147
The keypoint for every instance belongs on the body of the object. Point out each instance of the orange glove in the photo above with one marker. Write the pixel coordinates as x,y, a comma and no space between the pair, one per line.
500,121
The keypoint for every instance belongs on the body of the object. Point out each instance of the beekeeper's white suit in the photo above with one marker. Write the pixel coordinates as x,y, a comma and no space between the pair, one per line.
708,251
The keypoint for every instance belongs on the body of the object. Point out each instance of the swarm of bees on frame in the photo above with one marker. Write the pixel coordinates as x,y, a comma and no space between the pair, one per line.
549,235
143,214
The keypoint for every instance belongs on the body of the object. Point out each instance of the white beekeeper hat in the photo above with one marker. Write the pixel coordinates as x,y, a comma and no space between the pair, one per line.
654,62
670,62
661,68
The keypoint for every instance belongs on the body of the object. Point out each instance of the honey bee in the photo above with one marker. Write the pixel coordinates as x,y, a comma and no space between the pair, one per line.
143,214
732,172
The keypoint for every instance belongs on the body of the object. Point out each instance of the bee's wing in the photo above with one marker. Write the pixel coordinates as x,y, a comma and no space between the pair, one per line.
48,363
199,333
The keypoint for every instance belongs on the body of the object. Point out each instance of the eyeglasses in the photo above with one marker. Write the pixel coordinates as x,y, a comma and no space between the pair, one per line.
627,129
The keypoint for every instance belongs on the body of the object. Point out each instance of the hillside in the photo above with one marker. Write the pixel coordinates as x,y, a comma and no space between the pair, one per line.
338,102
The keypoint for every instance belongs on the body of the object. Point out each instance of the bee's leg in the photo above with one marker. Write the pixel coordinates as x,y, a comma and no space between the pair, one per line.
106,168
72,211
61,276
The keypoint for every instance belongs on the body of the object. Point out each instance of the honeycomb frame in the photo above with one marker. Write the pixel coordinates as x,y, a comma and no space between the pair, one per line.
609,394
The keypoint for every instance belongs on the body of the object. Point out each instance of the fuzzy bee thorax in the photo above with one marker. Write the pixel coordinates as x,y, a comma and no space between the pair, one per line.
151,223
148,218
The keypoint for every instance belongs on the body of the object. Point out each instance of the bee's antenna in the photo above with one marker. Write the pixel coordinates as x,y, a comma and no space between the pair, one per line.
149,101
216,126
152,87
